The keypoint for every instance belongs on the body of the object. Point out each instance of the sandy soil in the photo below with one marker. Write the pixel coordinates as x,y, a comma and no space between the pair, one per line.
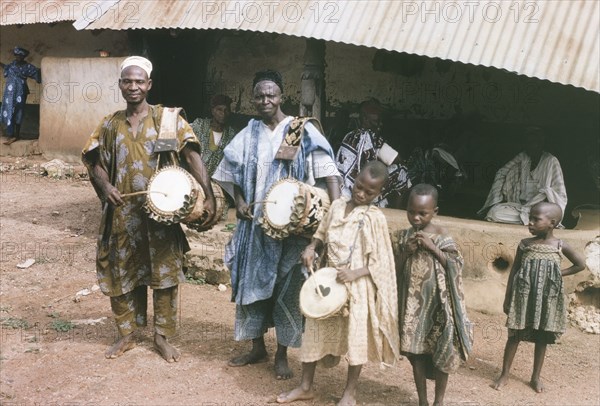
46,360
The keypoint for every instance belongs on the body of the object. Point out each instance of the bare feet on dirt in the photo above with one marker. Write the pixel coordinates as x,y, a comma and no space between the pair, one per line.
122,345
295,394
10,141
348,399
168,352
282,369
500,382
252,357
35,364
536,385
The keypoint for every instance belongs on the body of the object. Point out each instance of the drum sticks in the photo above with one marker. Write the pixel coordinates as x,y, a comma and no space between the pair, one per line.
143,192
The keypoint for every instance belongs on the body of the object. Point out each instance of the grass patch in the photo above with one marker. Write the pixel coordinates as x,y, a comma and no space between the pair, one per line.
14,322
62,325
195,281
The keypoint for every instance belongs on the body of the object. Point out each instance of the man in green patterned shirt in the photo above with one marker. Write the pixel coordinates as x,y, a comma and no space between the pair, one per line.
135,252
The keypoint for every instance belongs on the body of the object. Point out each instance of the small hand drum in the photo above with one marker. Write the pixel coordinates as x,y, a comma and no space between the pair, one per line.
322,296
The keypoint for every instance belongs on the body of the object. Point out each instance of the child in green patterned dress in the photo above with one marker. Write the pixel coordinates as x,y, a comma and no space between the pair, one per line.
534,300
435,333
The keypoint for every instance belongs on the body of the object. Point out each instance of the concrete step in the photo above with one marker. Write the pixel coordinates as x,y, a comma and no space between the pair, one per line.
19,148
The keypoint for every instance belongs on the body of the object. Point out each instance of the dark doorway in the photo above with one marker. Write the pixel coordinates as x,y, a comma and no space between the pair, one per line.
179,67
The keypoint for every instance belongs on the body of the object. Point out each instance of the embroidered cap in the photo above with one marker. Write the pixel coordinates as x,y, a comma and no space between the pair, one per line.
138,61
270,75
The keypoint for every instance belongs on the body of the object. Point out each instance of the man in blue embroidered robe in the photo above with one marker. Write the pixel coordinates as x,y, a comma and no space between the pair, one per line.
265,273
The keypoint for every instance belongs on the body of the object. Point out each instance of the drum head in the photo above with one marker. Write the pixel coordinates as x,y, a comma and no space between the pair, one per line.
280,203
335,294
173,186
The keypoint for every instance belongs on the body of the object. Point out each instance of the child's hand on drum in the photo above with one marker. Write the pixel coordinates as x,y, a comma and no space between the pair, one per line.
308,256
345,275
349,275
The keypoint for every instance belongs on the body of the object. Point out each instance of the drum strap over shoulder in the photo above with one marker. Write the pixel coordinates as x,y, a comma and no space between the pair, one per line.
167,134
292,142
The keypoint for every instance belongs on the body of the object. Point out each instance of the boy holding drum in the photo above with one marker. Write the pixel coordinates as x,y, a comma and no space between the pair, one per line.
355,235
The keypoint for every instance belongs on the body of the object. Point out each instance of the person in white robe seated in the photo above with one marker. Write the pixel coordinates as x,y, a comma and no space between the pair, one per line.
532,176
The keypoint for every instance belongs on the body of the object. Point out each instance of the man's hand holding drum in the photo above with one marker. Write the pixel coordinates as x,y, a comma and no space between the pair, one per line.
199,172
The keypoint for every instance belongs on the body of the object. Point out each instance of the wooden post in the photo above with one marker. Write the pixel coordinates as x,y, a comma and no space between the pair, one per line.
313,80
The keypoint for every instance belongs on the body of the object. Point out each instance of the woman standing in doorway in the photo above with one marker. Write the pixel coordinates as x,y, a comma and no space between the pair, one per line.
16,91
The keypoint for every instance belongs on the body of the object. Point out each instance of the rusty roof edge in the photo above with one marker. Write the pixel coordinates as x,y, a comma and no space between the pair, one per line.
83,21
526,53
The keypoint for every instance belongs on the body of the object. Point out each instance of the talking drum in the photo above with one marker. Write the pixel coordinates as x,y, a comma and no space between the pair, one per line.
322,296
220,205
293,207
316,203
174,196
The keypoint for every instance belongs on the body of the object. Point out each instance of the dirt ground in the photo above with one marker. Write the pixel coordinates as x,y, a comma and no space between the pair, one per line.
52,345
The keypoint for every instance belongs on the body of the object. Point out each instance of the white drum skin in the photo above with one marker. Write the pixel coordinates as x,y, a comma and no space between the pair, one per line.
280,203
173,187
334,295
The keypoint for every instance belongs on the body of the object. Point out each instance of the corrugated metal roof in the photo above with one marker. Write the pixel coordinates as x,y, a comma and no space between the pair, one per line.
36,11
556,40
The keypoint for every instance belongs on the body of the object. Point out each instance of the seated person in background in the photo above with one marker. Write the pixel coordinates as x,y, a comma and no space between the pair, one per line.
366,144
435,165
531,177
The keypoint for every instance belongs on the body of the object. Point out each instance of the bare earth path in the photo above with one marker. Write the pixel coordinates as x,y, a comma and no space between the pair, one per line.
52,346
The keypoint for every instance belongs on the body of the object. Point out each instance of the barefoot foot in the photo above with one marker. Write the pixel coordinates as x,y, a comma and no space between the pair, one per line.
10,141
347,400
122,345
252,357
295,394
500,382
168,352
537,385
282,369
